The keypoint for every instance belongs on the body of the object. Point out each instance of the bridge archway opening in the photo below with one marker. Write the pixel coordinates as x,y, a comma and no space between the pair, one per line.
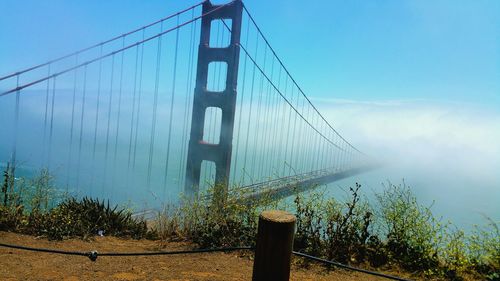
212,127
220,37
207,175
217,76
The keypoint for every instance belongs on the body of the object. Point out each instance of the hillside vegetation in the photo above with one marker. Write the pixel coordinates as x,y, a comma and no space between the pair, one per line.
394,232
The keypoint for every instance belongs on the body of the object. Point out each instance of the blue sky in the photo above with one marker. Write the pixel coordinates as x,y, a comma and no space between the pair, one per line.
445,50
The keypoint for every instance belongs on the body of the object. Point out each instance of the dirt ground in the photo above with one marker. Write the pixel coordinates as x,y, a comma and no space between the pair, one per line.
26,265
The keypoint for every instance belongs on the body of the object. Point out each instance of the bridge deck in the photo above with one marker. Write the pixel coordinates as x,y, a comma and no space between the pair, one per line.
287,186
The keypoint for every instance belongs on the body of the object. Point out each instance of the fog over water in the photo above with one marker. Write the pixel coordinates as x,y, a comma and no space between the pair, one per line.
446,152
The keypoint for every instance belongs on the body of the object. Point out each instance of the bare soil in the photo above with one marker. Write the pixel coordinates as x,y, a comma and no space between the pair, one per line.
27,265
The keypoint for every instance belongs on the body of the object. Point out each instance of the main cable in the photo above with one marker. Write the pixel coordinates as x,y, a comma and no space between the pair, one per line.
100,44
286,70
112,53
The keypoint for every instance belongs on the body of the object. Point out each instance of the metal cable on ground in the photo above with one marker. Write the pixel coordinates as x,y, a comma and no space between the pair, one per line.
92,255
337,264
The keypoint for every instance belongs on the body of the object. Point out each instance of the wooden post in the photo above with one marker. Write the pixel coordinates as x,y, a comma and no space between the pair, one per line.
274,246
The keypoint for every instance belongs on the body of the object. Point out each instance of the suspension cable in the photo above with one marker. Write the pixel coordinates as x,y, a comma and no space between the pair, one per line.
112,53
286,70
279,92
99,44
286,100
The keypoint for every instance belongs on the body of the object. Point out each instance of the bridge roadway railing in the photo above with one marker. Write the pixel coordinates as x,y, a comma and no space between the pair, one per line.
283,187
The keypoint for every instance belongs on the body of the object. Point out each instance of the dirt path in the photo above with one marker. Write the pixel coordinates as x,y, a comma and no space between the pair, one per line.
24,265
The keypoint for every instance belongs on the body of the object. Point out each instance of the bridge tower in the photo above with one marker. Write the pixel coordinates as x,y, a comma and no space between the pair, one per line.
199,150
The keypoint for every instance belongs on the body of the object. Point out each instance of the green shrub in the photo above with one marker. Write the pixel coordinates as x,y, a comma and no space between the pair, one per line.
217,219
34,206
412,233
309,234
11,219
484,248
397,232
167,224
8,185
212,219
83,218
347,228
336,230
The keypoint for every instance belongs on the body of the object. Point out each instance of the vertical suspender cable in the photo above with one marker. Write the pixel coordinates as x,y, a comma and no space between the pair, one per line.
308,145
265,134
257,120
138,102
303,151
110,103
16,128
72,125
247,137
322,148
317,145
51,121
117,131
287,132
155,108
81,128
274,129
287,128
44,142
172,100
324,153
241,95
277,133
96,125
132,119
293,151
312,145
182,162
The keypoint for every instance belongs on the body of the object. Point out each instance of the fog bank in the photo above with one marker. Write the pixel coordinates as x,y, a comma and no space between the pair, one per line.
447,152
